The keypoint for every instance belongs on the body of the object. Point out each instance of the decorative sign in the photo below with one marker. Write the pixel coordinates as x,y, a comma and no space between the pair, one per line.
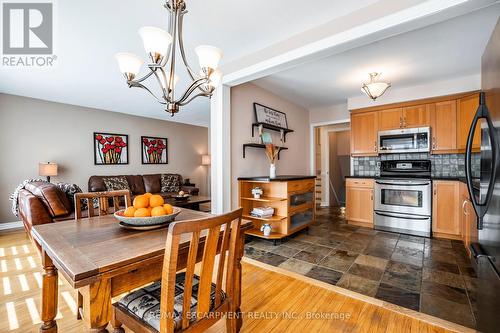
269,116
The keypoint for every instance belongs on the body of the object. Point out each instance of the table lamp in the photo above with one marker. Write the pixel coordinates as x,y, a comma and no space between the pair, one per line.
47,169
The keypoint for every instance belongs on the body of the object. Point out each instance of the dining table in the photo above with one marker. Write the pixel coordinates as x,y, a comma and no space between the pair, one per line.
103,260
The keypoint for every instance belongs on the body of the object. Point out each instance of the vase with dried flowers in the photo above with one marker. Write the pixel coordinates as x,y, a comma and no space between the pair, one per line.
272,152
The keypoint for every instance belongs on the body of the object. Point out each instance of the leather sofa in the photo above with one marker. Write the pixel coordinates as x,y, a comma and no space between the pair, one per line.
140,184
43,202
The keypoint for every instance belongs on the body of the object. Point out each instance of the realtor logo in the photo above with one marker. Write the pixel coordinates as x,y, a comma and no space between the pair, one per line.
27,28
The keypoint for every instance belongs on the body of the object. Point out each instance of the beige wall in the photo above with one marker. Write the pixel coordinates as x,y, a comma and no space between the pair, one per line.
294,161
33,131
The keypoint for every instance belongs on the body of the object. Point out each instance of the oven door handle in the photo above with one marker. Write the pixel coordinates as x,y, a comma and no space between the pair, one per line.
402,217
402,184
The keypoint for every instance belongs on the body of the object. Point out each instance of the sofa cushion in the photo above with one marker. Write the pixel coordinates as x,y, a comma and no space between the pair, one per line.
52,197
171,182
96,184
152,183
116,183
136,184
144,304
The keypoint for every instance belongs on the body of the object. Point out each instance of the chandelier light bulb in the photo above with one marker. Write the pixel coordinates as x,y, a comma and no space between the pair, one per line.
129,64
156,42
208,56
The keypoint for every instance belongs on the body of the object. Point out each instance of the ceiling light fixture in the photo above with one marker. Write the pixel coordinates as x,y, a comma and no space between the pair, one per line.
162,48
374,89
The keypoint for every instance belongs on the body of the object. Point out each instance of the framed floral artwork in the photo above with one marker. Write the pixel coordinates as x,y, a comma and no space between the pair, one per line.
110,148
154,150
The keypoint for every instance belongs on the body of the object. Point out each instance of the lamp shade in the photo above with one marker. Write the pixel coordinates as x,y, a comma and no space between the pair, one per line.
208,56
129,64
205,160
155,40
374,89
215,78
47,169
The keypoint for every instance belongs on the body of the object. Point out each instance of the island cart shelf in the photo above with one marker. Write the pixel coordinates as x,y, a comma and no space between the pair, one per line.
292,198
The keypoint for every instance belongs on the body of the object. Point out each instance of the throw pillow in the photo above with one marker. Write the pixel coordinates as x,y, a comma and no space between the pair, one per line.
170,183
116,183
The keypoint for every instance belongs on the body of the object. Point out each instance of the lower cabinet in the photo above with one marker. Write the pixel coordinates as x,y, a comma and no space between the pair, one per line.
446,209
359,201
468,219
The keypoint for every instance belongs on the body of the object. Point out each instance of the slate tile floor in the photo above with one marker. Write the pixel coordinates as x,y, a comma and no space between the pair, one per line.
433,276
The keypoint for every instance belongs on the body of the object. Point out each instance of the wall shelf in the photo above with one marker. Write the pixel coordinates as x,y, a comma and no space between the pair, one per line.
272,128
259,146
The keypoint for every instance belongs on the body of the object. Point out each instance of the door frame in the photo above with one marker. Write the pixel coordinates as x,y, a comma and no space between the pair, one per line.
325,162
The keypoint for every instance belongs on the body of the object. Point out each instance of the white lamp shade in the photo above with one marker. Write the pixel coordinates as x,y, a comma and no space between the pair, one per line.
215,78
205,160
47,169
155,40
208,56
167,75
375,90
129,63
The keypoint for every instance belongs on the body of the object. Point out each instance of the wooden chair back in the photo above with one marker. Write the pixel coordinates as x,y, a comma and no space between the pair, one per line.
103,199
218,232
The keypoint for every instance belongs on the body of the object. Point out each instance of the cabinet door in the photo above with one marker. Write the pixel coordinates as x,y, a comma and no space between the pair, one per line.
364,127
359,204
466,109
446,209
390,119
444,126
417,116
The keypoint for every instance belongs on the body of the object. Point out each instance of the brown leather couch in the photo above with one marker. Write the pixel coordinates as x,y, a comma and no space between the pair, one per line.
140,184
43,202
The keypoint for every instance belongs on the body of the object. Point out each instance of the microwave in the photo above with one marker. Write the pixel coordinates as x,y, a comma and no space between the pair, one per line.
407,140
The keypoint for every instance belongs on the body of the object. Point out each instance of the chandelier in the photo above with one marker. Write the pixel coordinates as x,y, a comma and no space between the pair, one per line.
374,89
161,46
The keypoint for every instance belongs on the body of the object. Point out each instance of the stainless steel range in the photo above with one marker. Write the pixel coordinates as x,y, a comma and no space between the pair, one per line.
403,197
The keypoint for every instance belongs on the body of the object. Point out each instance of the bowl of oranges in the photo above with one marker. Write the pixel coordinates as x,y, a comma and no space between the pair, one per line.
148,209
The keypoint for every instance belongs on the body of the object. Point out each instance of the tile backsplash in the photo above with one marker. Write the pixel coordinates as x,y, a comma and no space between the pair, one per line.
446,165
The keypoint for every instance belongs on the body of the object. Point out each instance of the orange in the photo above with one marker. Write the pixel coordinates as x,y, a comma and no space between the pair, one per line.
141,201
156,200
147,195
129,212
168,209
158,211
142,212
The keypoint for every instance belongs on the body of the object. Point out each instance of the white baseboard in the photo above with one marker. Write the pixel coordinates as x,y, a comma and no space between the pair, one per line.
11,226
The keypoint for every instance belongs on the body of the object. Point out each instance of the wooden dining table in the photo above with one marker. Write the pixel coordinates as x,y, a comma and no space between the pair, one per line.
103,260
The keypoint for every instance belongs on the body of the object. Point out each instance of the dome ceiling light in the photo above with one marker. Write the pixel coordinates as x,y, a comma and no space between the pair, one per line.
375,88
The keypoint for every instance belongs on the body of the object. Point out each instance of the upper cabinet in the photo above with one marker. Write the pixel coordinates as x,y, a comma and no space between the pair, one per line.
390,119
466,109
444,127
449,117
364,129
417,116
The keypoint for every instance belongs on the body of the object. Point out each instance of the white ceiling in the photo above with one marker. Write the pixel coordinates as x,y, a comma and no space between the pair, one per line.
89,33
438,52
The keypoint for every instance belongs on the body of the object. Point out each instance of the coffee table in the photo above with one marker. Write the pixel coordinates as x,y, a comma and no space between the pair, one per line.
193,202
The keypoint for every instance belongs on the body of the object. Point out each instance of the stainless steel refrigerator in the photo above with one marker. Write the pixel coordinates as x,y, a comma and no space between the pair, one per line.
485,193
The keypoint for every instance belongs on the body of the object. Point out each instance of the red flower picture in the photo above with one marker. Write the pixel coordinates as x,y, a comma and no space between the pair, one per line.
110,148
154,150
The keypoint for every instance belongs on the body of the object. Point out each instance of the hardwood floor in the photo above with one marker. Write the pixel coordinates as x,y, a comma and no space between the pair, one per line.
273,300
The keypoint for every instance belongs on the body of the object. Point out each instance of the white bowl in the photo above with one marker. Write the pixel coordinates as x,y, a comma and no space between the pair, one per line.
138,221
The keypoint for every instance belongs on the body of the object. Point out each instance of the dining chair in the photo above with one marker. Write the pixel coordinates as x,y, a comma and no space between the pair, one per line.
102,199
185,301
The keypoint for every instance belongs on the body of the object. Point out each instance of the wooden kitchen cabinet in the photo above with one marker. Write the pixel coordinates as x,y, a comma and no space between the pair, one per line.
364,128
390,119
468,220
446,209
444,127
417,116
466,109
359,201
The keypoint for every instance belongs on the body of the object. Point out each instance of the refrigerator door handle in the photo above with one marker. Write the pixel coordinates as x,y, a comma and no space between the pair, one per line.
481,113
478,254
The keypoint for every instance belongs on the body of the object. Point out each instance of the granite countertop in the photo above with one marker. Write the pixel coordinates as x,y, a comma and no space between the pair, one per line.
282,178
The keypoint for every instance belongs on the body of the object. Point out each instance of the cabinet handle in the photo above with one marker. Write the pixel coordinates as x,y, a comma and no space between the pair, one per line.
433,143
400,122
404,122
375,146
435,192
371,197
463,207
